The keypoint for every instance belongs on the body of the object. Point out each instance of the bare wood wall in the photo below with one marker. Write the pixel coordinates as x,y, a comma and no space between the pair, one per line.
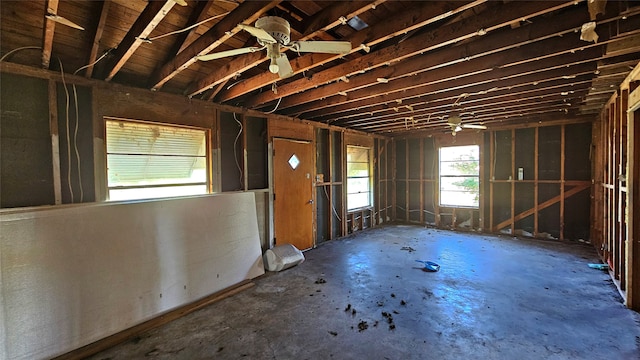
555,162
614,221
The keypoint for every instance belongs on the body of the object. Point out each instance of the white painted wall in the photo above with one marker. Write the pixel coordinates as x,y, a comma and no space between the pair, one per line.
71,275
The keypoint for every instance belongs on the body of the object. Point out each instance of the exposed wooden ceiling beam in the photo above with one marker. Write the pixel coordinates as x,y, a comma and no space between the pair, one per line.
516,76
481,114
492,43
497,117
150,17
432,106
414,18
533,120
340,104
440,106
93,54
445,79
199,13
50,7
246,13
485,22
326,19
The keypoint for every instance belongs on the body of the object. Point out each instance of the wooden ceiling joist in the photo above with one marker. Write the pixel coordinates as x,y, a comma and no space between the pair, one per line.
399,24
442,106
246,13
483,83
102,20
431,40
328,19
50,7
151,16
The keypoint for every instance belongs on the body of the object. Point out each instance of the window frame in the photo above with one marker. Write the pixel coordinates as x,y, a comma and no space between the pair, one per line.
207,158
441,176
369,177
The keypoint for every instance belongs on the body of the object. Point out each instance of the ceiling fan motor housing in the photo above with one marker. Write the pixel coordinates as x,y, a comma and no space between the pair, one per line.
277,27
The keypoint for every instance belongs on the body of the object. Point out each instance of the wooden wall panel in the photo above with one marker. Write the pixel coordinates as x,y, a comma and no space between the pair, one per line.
26,166
291,130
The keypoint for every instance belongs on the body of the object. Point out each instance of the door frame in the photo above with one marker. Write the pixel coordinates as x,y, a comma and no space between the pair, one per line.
270,164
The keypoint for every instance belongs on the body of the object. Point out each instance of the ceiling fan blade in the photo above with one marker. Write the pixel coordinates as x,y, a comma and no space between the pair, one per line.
262,35
63,21
228,53
472,126
328,47
284,67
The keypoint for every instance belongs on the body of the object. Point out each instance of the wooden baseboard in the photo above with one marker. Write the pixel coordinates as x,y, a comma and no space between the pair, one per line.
131,332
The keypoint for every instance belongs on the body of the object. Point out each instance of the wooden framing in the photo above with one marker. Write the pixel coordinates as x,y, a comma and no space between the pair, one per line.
51,7
577,186
55,141
632,275
615,204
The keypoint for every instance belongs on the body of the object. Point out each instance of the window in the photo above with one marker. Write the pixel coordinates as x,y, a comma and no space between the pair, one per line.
460,176
358,178
146,160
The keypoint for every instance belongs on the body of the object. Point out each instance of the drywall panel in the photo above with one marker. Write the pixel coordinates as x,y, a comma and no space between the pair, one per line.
74,274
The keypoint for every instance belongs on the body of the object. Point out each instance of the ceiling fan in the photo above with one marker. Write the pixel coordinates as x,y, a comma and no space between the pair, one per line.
274,32
455,123
64,21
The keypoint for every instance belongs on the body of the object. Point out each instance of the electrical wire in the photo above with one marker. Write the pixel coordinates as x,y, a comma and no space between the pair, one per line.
235,142
275,108
185,29
66,91
75,141
75,133
93,63
324,187
18,49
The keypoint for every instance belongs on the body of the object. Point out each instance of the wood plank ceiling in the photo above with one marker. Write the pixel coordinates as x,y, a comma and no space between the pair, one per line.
412,62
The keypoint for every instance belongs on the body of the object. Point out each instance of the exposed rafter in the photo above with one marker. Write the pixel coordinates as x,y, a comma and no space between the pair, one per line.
153,13
51,7
246,13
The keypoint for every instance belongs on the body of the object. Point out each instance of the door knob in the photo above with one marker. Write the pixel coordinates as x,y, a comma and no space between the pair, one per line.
311,201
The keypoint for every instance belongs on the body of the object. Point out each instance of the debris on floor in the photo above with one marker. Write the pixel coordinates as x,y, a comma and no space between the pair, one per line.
321,281
403,303
333,333
429,266
599,266
408,248
362,326
348,307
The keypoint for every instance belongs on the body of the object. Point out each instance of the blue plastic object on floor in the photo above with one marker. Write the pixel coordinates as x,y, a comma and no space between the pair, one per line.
599,266
429,266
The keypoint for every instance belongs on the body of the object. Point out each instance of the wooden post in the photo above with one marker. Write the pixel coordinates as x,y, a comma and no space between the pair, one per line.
394,176
406,180
633,203
329,179
511,180
536,143
492,176
480,192
245,167
55,142
622,207
562,171
422,181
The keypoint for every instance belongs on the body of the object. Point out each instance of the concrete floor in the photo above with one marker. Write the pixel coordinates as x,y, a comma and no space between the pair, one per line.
494,298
